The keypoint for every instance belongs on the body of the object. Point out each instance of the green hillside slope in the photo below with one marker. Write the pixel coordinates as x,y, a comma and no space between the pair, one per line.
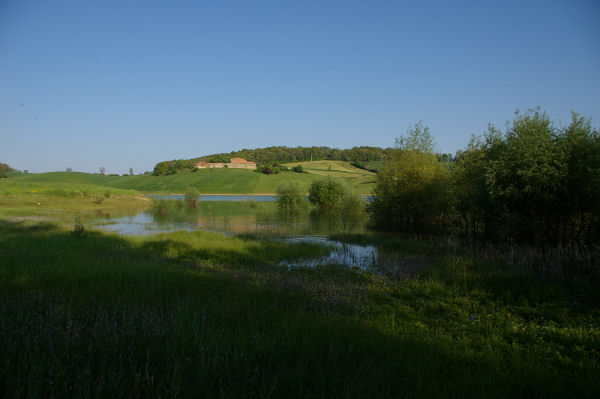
66,177
217,181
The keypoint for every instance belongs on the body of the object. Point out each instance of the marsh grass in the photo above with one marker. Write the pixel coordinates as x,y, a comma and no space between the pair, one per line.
202,314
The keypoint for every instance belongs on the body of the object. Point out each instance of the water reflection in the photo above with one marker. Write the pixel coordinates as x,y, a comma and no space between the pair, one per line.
231,218
262,219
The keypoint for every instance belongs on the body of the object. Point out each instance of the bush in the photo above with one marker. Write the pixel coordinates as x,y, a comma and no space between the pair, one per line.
290,198
327,194
159,208
191,198
298,169
351,210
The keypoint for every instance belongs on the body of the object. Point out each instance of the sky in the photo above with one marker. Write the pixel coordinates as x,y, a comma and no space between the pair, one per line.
126,84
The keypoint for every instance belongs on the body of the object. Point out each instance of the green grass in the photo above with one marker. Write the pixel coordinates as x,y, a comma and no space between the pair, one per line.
207,181
42,197
361,180
202,314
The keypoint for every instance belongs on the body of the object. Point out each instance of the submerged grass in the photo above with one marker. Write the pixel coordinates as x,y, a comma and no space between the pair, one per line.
202,314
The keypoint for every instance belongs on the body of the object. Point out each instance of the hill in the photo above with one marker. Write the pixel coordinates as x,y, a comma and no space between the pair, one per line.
280,155
221,181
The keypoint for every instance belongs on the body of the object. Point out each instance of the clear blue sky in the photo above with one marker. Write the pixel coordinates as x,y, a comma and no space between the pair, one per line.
123,84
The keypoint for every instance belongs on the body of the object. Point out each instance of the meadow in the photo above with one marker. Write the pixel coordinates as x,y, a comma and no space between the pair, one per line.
90,313
210,181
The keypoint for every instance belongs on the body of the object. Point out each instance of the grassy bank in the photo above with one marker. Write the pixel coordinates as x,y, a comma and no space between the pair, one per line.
203,314
44,200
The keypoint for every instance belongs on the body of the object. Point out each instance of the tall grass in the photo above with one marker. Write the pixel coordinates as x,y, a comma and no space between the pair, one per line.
201,314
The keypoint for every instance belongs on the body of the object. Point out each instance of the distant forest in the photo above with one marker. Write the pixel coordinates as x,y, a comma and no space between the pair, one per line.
359,156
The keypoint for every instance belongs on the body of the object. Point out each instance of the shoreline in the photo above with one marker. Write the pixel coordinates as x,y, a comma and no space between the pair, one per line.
210,194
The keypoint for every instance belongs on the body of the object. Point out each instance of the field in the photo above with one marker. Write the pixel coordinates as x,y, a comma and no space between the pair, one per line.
209,181
88,313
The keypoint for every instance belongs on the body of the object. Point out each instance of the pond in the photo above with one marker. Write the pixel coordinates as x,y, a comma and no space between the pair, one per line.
256,218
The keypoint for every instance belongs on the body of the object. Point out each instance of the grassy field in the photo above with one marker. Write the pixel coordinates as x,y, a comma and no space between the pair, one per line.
221,181
362,180
203,314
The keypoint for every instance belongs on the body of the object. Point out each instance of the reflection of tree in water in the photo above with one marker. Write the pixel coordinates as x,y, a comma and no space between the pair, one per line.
243,218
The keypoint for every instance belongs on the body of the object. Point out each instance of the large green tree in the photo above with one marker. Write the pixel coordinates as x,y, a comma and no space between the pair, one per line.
412,187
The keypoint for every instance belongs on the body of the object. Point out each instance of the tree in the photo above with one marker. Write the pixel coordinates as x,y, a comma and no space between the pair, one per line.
525,175
4,169
130,171
412,189
102,170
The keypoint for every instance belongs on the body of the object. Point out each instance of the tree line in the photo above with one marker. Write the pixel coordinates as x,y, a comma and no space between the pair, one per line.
534,183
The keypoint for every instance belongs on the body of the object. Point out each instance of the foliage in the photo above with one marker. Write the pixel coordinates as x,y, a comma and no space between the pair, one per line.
327,193
191,197
412,190
298,169
160,207
4,169
290,198
534,183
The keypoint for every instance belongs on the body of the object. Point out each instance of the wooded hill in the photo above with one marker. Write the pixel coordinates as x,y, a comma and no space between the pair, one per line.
280,155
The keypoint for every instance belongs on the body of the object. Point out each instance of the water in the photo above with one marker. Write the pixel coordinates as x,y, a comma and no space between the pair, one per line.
231,217
363,257
262,219
218,197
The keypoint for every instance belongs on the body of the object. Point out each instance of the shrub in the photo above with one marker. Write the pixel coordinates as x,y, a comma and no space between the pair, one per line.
327,194
351,210
298,169
159,208
191,198
290,198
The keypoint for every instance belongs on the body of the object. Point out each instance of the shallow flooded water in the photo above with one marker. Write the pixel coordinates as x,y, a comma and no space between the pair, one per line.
230,217
259,218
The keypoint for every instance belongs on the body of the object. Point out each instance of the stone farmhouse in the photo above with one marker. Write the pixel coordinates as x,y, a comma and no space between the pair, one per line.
235,163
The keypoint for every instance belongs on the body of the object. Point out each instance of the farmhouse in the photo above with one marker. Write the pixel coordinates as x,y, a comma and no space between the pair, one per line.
235,163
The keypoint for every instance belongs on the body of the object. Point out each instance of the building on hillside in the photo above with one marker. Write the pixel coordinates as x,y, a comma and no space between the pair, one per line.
241,163
235,163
